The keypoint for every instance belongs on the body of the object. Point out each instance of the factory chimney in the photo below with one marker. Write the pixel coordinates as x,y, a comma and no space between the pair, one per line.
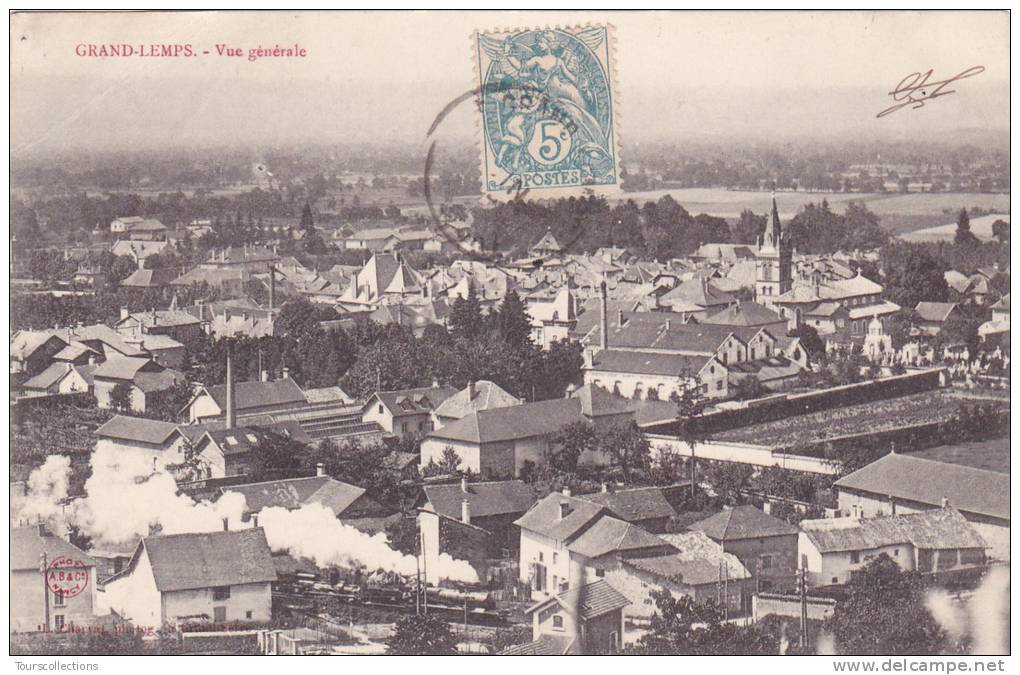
603,316
231,419
272,287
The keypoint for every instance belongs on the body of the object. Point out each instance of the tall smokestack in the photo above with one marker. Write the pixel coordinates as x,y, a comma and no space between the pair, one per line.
231,419
272,287
465,511
603,317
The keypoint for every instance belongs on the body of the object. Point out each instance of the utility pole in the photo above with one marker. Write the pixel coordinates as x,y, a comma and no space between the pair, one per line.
425,571
803,606
43,567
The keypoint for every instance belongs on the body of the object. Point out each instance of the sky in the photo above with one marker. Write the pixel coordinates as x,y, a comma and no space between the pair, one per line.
383,77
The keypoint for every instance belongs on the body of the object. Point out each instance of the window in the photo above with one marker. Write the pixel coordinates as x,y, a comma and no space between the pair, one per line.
58,622
896,551
247,614
541,557
58,598
766,562
557,622
855,557
835,580
614,641
599,572
219,614
221,592
380,408
555,558
718,385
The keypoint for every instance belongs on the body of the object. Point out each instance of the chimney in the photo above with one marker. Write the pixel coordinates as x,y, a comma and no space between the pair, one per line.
603,317
471,390
226,526
264,375
767,507
667,324
41,529
272,287
465,511
566,490
286,372
619,318
564,508
124,312
155,529
463,484
605,488
589,358
892,505
92,359
230,412
320,469
254,520
945,502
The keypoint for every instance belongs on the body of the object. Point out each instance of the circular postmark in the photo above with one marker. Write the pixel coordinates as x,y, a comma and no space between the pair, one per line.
67,576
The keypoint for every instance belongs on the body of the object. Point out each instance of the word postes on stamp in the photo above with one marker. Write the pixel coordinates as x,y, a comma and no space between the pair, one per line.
67,576
548,113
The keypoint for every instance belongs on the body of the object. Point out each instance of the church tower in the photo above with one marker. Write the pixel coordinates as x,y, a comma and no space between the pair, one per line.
774,264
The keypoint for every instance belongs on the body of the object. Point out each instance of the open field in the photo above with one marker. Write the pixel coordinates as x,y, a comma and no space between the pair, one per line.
981,228
916,409
992,455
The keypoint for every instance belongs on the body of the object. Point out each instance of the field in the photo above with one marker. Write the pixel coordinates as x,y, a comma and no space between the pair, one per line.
898,212
981,227
916,409
992,455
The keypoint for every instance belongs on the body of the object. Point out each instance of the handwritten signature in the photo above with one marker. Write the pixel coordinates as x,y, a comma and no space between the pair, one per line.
914,89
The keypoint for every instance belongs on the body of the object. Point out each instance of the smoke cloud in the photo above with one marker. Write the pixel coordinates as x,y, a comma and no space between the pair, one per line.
126,496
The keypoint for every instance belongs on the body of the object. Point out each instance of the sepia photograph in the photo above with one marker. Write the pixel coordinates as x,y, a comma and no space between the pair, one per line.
510,333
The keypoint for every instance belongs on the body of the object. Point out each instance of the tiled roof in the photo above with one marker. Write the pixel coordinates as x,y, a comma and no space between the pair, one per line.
486,499
513,422
547,243
411,401
742,522
53,374
124,428
258,394
744,314
486,395
27,547
934,311
634,504
545,645
544,517
1002,304
592,600
874,309
204,560
159,381
293,493
698,292
597,402
648,363
704,559
926,481
163,317
74,351
935,529
125,368
858,285
24,343
612,535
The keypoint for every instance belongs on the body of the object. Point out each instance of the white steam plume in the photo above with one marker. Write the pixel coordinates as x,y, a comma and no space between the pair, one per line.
44,495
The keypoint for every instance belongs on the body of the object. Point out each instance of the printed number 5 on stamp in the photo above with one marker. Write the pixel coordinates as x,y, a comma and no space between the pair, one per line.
548,114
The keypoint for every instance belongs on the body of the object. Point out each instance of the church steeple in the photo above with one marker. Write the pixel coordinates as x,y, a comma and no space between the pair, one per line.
773,228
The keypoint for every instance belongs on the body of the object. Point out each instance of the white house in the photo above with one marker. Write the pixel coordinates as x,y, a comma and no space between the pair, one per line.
161,444
213,577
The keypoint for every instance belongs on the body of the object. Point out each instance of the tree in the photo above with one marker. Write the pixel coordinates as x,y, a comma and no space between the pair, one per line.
809,340
275,456
120,398
748,228
167,404
681,626
403,535
512,321
728,480
1000,230
748,388
422,635
307,222
466,319
569,444
627,448
963,234
885,613
690,403
912,275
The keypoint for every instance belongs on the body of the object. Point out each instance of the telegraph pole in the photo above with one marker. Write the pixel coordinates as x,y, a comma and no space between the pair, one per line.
43,566
803,608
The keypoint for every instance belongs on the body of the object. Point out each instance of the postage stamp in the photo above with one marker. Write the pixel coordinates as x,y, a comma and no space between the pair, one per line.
548,112
67,577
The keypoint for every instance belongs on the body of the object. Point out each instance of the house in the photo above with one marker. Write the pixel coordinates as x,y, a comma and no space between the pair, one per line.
139,250
227,451
147,229
250,399
477,395
141,376
696,297
554,320
586,620
32,352
143,278
747,314
547,246
177,324
490,505
348,503
161,445
246,258
61,378
34,549
405,412
646,507
124,223
998,327
833,549
227,281
215,577
764,544
931,316
899,483
384,278
497,442
603,410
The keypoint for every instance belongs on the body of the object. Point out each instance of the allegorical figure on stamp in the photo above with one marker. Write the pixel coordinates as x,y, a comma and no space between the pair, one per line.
547,108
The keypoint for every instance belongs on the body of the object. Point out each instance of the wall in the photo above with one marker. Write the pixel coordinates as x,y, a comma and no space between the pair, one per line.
134,595
256,598
203,407
432,449
835,567
764,604
627,382
538,548
155,456
781,549
542,622
26,602
743,453
604,634
102,389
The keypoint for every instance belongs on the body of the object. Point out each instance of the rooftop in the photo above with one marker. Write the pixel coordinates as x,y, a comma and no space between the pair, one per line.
28,544
612,535
634,504
935,529
293,493
125,428
205,560
513,422
257,394
483,395
742,522
491,498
